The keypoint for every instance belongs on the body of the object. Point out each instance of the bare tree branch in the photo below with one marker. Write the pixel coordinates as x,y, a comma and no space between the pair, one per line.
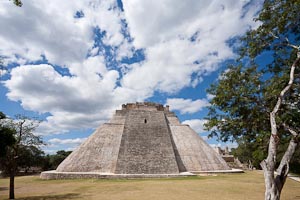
273,35
286,40
291,130
275,185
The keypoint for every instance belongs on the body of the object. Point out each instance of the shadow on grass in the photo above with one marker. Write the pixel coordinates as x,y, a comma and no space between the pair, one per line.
46,197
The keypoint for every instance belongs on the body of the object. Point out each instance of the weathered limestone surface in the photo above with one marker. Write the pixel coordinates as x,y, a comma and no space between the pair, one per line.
141,139
195,153
98,153
146,146
95,175
172,119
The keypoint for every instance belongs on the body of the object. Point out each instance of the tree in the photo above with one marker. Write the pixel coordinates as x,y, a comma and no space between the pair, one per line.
57,158
6,137
251,153
51,162
21,130
29,157
18,3
252,94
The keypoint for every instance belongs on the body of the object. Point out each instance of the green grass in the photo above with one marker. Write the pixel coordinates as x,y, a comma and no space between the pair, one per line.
248,186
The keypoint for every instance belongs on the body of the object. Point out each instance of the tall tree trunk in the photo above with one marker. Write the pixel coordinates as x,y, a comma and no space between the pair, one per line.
12,186
274,185
272,192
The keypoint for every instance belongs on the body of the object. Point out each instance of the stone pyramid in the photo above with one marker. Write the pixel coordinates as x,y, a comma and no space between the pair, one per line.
143,138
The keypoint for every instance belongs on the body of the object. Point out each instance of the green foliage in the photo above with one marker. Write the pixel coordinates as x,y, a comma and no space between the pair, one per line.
2,115
6,137
29,157
248,90
19,145
295,162
18,3
279,25
58,158
250,151
6,140
51,162
238,96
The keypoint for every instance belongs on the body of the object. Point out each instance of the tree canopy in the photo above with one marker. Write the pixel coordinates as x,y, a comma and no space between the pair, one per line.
18,2
20,146
257,98
247,90
6,137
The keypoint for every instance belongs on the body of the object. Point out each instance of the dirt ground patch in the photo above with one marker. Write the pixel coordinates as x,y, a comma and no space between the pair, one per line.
248,186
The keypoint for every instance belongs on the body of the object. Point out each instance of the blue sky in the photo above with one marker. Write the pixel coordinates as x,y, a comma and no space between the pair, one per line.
71,64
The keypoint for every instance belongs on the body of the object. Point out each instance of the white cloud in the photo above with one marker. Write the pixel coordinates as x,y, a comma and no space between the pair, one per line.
196,124
49,28
182,40
3,72
224,145
43,28
49,151
56,144
210,96
82,101
216,145
222,76
185,106
153,22
40,88
204,138
75,141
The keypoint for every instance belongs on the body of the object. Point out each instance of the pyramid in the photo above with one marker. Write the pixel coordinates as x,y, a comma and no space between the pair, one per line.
141,138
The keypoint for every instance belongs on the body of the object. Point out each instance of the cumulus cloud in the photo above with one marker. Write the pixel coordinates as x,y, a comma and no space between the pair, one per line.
31,32
75,141
74,101
223,146
3,72
56,144
165,20
185,106
50,29
181,41
196,124
210,96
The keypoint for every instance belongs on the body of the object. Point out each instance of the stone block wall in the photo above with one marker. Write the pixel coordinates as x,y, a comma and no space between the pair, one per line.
142,138
98,153
194,152
146,146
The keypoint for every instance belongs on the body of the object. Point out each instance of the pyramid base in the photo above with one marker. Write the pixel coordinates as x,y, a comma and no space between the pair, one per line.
50,175
218,171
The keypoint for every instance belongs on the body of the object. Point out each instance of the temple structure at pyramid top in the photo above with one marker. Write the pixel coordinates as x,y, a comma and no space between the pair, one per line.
145,106
142,139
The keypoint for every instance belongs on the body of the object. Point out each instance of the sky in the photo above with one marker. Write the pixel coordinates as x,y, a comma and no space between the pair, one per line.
71,64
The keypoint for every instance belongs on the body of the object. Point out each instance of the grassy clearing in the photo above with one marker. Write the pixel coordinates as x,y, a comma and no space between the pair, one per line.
222,187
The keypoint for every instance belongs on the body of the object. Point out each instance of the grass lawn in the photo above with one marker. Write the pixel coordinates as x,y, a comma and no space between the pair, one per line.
248,186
